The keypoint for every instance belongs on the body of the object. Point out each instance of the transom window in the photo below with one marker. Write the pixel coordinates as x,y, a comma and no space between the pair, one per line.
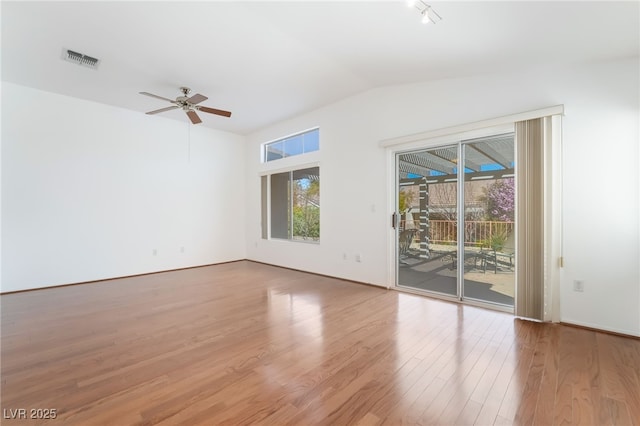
300,143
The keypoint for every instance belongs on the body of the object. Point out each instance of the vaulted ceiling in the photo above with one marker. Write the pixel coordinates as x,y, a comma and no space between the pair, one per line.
267,61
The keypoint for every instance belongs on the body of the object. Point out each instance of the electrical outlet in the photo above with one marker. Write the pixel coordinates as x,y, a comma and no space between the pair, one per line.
358,258
155,252
181,249
578,285
344,256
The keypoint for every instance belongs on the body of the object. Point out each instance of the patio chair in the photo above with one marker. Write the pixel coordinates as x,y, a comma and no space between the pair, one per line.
505,255
404,243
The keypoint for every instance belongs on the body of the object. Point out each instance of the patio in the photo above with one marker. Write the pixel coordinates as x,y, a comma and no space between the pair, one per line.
482,280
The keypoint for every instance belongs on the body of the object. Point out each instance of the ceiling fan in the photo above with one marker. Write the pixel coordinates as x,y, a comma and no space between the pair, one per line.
188,105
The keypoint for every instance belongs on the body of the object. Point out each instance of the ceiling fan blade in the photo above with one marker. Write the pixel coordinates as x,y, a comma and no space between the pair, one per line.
163,109
214,111
197,98
158,97
194,117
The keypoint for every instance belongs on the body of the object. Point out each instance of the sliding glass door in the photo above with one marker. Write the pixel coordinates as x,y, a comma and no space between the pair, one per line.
455,227
489,219
427,228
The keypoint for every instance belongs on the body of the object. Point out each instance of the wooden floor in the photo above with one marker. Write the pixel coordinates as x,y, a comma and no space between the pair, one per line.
246,343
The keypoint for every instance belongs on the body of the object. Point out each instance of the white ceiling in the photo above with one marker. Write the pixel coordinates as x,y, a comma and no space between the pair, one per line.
266,61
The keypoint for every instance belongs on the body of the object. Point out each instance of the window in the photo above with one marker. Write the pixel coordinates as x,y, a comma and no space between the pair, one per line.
294,200
300,143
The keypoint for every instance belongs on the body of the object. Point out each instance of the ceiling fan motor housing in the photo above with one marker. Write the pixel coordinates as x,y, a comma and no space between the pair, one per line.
181,100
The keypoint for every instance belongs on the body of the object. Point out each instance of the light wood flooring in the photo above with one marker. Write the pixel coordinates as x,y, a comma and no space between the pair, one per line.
246,343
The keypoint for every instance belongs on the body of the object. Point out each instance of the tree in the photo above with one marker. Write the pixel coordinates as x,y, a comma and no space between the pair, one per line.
501,199
405,199
306,209
306,222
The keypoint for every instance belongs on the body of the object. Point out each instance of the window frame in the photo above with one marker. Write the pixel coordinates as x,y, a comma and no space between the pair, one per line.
264,147
266,203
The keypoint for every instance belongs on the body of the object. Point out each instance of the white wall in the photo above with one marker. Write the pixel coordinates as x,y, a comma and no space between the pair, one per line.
601,185
89,191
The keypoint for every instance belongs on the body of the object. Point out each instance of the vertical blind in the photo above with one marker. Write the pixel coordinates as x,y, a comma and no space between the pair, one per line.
530,217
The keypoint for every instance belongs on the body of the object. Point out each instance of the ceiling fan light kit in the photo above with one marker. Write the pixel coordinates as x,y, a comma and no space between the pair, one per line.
189,104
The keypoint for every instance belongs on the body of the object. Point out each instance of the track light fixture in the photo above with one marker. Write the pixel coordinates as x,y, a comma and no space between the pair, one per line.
428,14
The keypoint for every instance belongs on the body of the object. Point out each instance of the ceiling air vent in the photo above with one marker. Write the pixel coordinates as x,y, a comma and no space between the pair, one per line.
80,58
